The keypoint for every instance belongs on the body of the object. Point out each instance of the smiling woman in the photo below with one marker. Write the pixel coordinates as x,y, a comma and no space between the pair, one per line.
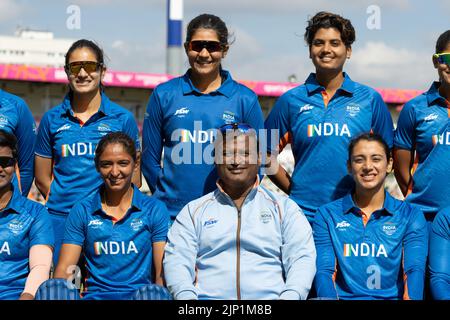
320,117
121,229
69,133
368,242
185,113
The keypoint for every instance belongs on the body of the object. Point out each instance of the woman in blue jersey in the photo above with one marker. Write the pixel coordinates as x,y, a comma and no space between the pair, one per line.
321,116
422,140
68,135
120,231
183,114
439,257
370,245
26,235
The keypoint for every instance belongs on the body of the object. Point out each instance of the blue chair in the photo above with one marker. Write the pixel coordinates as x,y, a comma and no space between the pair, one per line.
152,292
57,289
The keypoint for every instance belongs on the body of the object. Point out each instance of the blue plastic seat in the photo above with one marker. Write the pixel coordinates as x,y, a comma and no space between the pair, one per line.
57,289
152,292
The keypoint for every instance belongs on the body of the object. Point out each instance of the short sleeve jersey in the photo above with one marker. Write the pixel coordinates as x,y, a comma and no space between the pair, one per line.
320,133
72,145
424,127
23,224
118,253
183,122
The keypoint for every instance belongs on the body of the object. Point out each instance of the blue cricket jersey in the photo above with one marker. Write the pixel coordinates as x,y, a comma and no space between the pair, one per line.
23,224
320,134
119,256
439,257
16,118
183,122
424,126
72,145
383,257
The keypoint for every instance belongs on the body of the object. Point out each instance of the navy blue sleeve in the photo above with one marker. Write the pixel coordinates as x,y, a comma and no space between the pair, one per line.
439,257
405,132
277,124
44,141
326,258
160,222
152,141
41,231
382,120
75,232
26,138
415,245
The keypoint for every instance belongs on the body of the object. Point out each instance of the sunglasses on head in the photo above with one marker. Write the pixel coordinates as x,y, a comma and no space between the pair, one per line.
443,58
88,66
7,162
211,46
241,127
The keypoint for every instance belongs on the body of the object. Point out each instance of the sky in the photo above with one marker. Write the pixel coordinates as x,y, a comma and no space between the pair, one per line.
268,34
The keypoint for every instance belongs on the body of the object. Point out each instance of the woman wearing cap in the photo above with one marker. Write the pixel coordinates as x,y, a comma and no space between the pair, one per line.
422,140
68,135
183,114
321,116
26,235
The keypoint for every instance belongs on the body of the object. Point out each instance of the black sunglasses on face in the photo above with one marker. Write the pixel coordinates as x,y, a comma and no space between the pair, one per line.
88,66
7,162
211,46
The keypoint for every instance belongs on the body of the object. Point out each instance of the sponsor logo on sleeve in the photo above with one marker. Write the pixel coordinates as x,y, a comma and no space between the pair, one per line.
343,225
306,108
182,112
95,224
431,117
64,127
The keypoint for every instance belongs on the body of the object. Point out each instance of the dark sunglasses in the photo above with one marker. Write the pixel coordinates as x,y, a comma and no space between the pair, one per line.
211,46
88,66
7,162
242,127
443,58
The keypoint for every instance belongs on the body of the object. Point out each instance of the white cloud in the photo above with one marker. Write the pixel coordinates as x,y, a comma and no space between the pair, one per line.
380,65
275,68
130,56
9,9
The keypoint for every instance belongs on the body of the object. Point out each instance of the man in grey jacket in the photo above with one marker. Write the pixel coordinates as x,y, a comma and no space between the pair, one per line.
240,241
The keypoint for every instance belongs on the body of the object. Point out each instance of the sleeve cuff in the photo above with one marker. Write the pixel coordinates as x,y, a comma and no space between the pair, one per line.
186,295
290,295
